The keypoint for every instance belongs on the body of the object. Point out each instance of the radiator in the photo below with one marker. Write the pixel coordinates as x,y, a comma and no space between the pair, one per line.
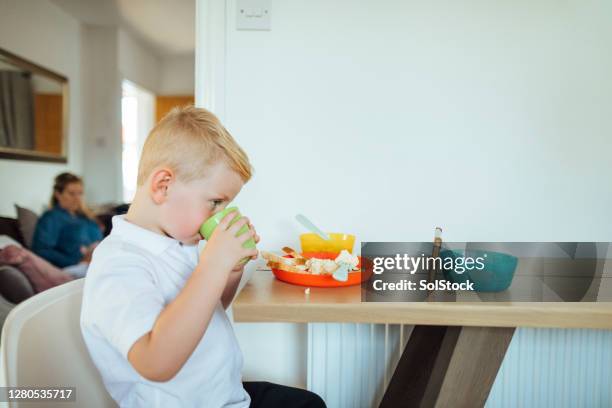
349,365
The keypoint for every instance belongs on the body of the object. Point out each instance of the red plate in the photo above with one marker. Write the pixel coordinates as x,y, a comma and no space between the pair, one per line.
321,281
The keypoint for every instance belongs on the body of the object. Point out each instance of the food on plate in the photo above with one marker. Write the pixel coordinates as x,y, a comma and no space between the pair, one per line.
348,258
314,266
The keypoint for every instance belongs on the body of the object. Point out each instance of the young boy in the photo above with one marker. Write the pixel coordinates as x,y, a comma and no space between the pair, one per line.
153,315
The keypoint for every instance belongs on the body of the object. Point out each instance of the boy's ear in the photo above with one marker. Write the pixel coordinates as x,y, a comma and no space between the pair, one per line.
160,181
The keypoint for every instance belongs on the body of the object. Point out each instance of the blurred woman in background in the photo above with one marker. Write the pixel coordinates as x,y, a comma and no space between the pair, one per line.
67,233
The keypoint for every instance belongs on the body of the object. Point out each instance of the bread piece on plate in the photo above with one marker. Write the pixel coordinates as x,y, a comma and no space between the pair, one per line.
285,267
270,257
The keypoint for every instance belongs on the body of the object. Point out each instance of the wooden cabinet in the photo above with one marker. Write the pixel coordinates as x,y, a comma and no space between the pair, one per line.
165,103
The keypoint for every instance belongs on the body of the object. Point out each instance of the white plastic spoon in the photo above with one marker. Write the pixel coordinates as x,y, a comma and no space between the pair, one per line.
311,227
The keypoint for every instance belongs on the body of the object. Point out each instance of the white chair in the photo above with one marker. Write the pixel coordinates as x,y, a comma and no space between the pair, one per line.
41,346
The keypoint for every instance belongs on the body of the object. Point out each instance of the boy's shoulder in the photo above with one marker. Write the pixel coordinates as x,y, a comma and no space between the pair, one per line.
113,251
116,246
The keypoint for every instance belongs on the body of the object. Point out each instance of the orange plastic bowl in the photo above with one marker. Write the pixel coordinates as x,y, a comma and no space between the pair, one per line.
338,241
322,281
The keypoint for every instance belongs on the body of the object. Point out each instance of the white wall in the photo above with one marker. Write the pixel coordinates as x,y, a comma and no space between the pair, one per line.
160,74
388,118
41,32
177,75
101,114
138,63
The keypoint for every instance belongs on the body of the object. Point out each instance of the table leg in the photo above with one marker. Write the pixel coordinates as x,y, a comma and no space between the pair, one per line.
447,366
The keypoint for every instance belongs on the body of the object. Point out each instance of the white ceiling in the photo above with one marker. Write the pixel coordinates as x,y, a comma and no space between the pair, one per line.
167,26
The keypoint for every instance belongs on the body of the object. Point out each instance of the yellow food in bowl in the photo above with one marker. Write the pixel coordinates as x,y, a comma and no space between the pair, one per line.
338,241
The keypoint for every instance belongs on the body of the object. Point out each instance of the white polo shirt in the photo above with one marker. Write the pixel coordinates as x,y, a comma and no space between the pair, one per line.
134,274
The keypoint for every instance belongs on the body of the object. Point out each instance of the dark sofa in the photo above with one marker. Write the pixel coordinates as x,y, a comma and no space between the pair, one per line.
14,285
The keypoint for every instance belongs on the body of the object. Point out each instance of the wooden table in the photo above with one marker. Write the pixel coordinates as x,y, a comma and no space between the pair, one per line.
455,349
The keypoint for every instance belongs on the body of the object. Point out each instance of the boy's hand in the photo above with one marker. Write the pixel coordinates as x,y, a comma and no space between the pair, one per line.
224,249
240,267
255,236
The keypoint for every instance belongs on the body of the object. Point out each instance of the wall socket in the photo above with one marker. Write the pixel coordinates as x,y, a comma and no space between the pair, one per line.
253,15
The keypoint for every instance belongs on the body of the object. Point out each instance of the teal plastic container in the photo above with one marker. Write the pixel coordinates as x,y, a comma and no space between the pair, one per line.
496,275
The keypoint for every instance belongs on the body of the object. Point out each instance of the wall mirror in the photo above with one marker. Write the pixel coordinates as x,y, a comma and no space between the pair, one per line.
33,111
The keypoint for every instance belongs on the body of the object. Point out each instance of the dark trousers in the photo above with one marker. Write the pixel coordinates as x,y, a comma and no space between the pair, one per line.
268,395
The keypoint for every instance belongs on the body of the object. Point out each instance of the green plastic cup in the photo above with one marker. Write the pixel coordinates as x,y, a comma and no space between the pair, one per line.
208,227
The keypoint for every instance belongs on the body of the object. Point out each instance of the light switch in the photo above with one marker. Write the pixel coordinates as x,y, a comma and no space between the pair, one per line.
253,15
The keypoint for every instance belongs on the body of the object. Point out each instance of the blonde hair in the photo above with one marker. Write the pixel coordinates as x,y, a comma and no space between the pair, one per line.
188,140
